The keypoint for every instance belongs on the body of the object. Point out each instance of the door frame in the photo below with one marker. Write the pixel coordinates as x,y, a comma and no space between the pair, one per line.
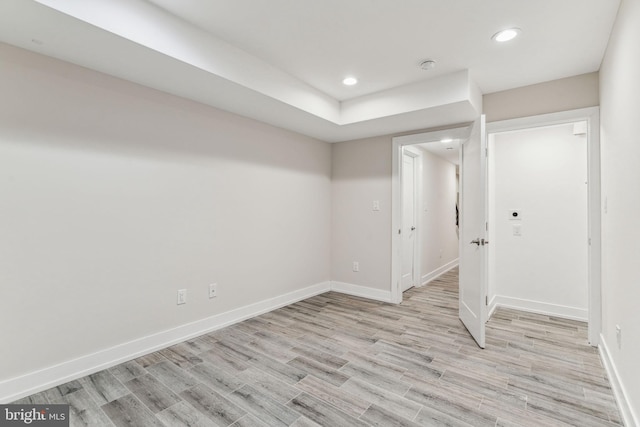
592,116
417,201
456,131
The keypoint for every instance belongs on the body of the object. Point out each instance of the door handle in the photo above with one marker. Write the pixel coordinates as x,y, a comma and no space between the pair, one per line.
484,242
413,228
476,241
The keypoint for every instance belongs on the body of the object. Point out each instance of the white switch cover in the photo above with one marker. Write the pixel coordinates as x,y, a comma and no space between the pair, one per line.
376,205
356,266
517,230
213,290
182,296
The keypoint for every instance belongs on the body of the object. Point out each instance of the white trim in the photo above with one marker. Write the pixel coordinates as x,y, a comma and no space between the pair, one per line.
396,221
34,382
492,307
362,291
592,116
439,271
539,307
629,417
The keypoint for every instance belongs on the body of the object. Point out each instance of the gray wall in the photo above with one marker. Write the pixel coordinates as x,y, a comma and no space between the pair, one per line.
570,93
361,173
114,196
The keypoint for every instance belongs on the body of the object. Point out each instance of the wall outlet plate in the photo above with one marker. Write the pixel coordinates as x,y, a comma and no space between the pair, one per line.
213,290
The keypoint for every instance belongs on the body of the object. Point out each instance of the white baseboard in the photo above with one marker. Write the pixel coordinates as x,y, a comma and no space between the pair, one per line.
629,416
539,307
492,307
361,291
34,382
439,271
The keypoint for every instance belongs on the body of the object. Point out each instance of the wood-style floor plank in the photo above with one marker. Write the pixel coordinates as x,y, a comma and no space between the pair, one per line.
336,360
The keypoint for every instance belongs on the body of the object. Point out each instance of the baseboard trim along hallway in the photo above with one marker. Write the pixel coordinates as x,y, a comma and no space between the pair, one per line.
426,278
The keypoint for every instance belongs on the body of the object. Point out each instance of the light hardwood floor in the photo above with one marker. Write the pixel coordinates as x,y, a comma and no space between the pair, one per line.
335,360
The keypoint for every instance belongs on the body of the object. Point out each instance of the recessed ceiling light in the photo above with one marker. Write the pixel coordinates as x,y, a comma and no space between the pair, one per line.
446,140
506,35
350,81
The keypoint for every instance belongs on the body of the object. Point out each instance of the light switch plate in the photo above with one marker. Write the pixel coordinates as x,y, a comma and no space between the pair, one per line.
182,296
517,230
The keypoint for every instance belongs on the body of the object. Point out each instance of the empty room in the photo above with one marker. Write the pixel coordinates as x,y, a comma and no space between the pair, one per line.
319,212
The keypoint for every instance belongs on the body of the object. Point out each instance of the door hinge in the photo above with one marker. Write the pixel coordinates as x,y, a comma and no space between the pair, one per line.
486,300
486,152
486,226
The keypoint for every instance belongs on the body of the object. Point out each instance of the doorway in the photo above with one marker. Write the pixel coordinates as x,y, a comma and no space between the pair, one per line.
537,209
565,209
425,197
588,115
472,283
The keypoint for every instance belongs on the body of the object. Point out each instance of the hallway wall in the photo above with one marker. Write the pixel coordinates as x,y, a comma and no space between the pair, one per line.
437,214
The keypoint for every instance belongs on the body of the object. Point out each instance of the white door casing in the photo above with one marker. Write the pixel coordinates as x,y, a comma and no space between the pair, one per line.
473,217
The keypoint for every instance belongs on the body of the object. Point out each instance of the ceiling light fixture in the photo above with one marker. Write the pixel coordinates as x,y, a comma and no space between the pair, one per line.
446,140
427,65
506,35
350,81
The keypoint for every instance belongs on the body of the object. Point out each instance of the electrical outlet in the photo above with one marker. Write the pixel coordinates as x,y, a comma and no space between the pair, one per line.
376,205
356,266
182,296
619,336
213,290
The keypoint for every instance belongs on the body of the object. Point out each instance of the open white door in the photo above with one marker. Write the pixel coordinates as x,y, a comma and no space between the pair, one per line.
473,217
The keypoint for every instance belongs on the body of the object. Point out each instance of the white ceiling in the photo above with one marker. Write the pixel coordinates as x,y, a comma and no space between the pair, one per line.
449,151
282,61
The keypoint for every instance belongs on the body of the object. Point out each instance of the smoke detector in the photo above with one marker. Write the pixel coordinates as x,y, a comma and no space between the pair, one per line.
427,65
